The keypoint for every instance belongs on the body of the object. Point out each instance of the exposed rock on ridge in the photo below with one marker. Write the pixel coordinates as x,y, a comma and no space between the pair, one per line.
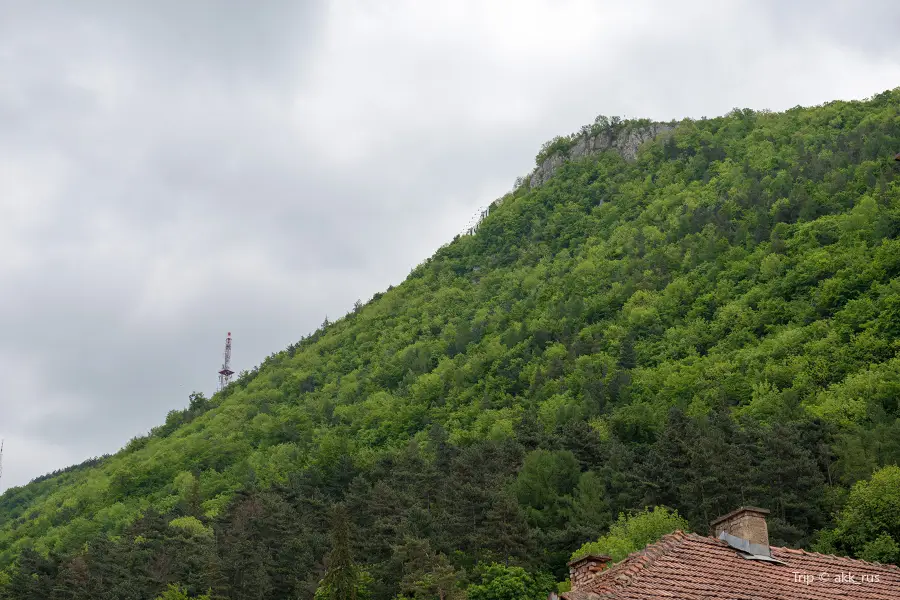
625,141
623,137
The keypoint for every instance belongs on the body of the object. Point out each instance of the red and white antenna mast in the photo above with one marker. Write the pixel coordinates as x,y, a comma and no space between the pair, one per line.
1,459
225,373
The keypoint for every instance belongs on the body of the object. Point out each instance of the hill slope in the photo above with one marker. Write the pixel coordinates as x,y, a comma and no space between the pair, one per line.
713,323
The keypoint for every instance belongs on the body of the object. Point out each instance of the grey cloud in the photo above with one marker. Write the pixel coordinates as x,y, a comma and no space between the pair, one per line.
247,39
866,27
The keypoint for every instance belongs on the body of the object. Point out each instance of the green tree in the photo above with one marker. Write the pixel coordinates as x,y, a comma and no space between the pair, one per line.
32,577
499,582
426,573
545,484
343,580
868,527
177,592
632,533
590,508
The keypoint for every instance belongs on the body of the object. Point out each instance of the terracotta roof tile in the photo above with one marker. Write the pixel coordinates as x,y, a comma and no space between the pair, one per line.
686,566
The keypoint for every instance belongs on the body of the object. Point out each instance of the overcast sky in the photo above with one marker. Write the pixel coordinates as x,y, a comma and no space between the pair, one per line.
172,170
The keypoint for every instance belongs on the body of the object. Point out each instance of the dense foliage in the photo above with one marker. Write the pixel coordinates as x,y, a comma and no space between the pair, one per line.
714,324
869,525
632,533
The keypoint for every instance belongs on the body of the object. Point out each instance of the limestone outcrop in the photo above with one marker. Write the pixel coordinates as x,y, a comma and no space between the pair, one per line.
625,140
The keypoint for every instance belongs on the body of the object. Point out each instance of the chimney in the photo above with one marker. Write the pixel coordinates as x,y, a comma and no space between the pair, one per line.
583,570
747,522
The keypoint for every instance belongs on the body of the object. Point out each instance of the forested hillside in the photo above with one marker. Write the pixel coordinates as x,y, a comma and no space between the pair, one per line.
713,324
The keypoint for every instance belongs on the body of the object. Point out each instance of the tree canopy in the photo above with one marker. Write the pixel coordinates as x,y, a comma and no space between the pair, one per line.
715,323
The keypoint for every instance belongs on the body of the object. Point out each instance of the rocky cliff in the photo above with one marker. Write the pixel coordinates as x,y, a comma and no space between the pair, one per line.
625,139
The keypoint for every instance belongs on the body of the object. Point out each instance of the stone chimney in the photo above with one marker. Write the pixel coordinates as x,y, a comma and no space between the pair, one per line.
584,569
747,522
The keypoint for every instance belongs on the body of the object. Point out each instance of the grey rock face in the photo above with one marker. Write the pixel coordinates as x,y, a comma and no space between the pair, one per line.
626,142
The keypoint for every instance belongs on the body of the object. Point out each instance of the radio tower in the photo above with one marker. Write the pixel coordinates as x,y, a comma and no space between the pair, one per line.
1,459
225,373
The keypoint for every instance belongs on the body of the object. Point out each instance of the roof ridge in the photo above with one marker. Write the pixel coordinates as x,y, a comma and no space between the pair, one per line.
835,556
625,572
803,551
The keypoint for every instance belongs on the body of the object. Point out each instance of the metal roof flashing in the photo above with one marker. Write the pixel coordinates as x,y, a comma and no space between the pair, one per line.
748,550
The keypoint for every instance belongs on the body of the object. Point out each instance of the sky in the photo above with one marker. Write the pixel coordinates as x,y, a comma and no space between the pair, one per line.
171,171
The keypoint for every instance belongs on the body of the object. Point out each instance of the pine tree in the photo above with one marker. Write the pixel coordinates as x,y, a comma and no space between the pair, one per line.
32,577
424,573
342,578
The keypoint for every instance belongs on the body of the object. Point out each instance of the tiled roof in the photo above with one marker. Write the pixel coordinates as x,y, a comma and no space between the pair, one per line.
686,566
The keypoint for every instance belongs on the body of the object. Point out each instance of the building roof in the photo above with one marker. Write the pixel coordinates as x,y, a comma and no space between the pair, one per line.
686,566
